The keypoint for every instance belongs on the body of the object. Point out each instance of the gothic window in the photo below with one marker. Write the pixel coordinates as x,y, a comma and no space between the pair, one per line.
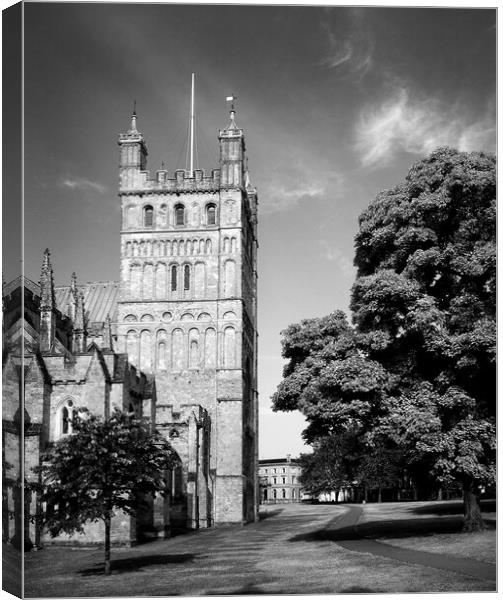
179,214
211,214
132,346
186,277
173,277
65,418
148,216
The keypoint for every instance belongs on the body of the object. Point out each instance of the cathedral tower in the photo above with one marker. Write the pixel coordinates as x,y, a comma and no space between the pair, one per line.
187,313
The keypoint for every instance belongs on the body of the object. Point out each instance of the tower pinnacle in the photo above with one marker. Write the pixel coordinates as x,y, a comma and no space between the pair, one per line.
133,128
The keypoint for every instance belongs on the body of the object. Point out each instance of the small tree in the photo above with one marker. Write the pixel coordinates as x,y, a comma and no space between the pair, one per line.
332,465
105,465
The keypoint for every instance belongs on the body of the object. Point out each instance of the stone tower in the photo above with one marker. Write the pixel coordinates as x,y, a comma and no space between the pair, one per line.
187,314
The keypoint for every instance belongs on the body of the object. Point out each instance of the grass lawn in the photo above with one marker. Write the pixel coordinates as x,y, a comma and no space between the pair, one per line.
478,546
272,556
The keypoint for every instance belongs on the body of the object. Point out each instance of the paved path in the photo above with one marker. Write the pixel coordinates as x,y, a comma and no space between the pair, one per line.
466,566
294,549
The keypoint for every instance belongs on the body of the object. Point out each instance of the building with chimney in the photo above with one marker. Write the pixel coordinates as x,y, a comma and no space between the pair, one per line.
174,339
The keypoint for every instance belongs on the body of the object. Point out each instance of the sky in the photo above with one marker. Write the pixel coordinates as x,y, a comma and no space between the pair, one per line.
336,104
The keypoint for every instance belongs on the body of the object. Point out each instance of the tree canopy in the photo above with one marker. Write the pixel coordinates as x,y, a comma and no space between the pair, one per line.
105,465
419,365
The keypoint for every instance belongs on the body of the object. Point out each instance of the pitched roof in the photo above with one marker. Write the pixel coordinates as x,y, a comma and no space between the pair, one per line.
100,299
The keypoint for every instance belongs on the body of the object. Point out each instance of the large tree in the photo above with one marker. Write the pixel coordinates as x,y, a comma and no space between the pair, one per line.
105,465
418,369
426,258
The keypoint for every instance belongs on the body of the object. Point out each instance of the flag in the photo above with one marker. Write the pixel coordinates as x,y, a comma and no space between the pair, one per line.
230,98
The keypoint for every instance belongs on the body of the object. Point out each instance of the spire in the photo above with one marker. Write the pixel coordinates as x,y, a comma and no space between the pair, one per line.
79,325
108,339
47,283
133,128
232,113
47,305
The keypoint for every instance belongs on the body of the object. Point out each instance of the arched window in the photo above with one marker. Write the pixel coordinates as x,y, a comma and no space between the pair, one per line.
173,278
66,414
211,214
186,277
148,216
65,421
179,214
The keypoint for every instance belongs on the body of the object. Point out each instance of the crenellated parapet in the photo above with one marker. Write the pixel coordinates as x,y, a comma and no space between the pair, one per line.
181,181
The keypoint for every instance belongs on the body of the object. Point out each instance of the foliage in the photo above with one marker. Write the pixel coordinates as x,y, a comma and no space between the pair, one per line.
105,465
327,378
332,465
426,258
418,368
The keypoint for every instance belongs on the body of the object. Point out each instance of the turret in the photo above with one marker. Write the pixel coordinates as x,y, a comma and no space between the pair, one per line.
47,305
232,152
133,155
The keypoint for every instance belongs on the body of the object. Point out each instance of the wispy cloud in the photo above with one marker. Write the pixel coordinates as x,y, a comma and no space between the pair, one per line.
418,125
350,45
79,183
335,255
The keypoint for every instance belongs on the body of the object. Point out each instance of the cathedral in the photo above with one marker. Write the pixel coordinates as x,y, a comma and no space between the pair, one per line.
174,341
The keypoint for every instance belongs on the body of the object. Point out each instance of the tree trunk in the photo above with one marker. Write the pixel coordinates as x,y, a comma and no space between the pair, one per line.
366,496
440,494
473,518
107,545
379,494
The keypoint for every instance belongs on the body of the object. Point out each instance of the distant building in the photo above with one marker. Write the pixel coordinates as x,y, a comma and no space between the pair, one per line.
279,480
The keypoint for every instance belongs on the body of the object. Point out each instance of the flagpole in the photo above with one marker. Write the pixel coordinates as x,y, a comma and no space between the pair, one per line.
192,128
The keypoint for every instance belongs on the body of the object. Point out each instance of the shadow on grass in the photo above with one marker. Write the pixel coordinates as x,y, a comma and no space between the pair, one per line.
356,589
136,563
452,508
268,514
380,529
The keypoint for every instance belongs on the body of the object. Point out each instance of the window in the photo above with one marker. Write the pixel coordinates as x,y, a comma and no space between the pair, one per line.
179,214
274,479
211,214
284,479
65,418
283,493
274,494
294,493
148,216
186,277
173,277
